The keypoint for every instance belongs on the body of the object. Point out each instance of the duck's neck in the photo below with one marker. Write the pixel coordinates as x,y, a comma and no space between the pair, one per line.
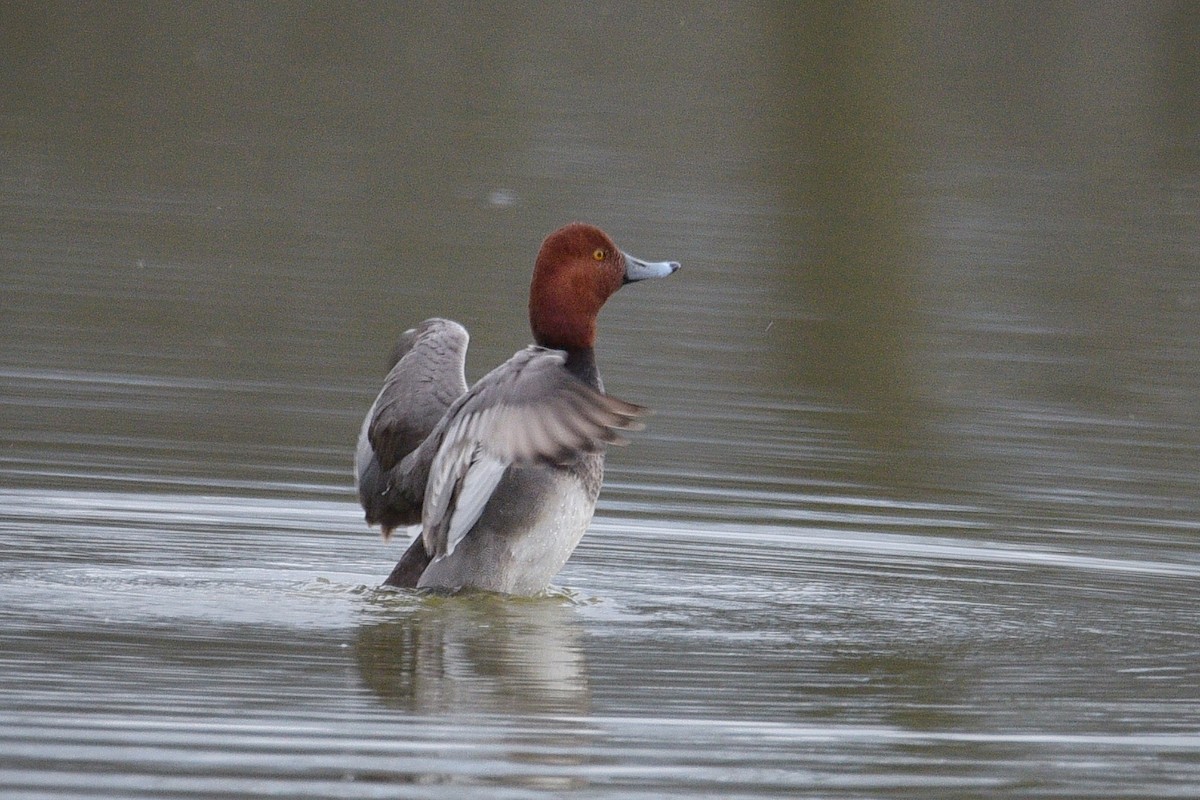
581,362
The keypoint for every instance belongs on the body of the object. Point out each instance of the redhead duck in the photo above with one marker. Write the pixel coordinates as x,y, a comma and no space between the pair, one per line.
501,477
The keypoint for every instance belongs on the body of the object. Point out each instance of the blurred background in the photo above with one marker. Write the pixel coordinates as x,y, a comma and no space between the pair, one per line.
962,237
940,289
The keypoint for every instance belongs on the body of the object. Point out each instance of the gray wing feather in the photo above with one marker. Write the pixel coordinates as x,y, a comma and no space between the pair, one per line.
528,409
425,380
428,377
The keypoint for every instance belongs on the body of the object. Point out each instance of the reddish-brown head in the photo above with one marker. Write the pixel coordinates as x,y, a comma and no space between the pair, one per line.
577,269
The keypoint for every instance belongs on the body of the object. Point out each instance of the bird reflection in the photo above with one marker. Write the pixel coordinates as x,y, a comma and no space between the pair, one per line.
476,651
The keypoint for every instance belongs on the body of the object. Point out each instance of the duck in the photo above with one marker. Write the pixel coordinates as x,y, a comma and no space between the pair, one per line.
502,477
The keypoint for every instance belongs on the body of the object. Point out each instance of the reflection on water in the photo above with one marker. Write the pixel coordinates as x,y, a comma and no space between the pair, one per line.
916,514
481,652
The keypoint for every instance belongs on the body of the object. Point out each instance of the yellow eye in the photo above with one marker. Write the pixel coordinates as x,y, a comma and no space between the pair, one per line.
599,254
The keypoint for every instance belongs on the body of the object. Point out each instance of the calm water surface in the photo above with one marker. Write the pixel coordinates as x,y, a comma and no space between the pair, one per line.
918,512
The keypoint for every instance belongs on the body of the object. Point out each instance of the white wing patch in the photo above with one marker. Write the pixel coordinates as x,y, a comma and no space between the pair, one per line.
461,481
474,492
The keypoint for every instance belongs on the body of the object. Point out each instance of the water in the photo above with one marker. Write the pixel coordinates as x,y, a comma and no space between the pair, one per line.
916,514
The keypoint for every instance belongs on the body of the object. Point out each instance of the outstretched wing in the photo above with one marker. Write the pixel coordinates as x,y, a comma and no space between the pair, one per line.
425,380
528,409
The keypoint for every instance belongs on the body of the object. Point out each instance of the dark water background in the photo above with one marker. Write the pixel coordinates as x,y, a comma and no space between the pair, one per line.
918,513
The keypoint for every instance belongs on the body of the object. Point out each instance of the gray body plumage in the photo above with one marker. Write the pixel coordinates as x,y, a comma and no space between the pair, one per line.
502,477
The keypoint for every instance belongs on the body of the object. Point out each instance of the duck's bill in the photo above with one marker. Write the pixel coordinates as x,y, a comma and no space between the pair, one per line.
638,270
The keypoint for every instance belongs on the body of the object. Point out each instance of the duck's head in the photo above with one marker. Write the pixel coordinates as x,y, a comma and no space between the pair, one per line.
578,268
